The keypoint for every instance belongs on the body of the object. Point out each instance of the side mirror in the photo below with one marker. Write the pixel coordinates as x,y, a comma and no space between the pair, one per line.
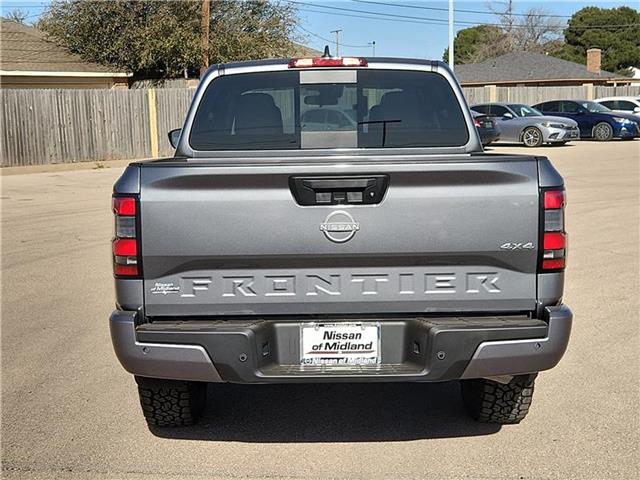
174,137
636,109
507,116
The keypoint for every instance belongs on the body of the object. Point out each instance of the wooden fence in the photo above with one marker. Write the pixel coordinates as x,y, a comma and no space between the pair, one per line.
533,95
42,127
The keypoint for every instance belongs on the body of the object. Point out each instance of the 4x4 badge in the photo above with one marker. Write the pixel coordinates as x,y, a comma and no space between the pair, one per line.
339,226
517,246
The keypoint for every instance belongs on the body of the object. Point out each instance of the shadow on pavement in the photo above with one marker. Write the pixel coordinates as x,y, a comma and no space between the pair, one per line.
332,413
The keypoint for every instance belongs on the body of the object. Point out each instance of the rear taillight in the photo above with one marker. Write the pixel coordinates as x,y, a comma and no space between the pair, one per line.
327,62
554,237
476,123
126,254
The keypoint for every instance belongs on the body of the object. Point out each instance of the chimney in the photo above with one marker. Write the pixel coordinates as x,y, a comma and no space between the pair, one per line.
594,60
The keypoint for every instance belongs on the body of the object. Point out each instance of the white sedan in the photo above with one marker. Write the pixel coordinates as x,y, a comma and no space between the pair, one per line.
630,105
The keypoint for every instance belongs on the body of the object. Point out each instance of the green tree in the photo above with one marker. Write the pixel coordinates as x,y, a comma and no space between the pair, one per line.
161,39
476,44
604,28
531,32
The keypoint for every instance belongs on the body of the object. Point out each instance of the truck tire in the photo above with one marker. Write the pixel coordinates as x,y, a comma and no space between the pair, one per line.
171,403
492,402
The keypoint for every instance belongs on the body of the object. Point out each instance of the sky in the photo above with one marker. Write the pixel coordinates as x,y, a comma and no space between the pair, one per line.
418,30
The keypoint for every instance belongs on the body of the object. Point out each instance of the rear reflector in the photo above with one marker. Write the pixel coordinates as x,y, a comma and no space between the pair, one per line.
125,247
127,270
327,62
553,264
553,199
124,206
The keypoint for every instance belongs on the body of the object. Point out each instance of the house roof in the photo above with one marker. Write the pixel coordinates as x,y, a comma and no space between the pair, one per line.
526,67
25,50
304,51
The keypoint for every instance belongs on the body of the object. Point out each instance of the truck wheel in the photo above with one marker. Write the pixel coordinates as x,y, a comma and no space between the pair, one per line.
492,402
532,137
171,403
603,132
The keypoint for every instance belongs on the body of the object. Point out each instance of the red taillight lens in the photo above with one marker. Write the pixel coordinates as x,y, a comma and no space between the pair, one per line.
553,199
327,62
124,206
554,241
125,244
554,238
125,247
476,123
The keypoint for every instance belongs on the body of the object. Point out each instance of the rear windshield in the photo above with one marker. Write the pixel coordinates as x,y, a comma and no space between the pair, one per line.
381,109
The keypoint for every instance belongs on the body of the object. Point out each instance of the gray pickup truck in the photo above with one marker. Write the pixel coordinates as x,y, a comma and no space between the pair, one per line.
336,220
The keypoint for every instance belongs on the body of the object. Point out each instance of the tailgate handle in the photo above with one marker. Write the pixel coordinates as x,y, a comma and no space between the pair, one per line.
366,190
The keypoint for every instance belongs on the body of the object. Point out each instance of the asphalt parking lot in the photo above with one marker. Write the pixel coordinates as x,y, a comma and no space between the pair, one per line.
70,411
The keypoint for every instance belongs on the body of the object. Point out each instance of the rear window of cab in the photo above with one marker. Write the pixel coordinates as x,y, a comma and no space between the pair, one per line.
379,109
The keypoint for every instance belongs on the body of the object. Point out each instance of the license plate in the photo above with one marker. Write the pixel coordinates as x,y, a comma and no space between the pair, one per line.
339,344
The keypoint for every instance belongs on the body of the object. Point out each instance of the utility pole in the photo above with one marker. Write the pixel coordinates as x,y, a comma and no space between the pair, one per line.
451,57
337,32
373,47
204,35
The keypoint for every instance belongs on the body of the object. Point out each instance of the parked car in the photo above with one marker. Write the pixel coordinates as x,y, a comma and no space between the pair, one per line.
520,123
487,128
630,105
327,119
594,120
397,251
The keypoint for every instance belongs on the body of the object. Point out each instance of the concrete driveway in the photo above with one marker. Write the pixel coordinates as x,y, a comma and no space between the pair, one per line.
70,411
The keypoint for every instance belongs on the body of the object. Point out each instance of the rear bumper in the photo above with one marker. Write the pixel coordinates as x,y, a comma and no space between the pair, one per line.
413,349
488,136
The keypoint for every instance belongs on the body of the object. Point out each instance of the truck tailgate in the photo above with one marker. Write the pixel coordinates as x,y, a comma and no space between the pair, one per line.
446,236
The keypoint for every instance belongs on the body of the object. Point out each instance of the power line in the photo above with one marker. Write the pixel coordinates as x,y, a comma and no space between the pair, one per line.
370,18
328,40
368,12
427,20
420,7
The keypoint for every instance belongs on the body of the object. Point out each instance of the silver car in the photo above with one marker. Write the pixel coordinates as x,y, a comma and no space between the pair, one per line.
630,105
523,124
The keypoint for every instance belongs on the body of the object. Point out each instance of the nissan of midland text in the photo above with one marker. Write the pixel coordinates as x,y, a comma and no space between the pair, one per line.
336,220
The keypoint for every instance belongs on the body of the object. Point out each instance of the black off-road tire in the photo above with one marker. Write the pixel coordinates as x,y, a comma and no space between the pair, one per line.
492,402
171,403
